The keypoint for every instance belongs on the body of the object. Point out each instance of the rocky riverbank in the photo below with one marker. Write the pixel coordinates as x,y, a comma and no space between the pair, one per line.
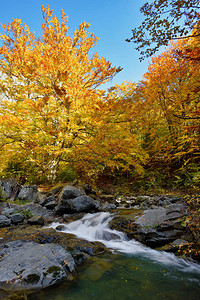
33,256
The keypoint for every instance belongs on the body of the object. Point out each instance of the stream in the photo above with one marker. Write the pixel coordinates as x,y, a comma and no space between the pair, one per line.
130,271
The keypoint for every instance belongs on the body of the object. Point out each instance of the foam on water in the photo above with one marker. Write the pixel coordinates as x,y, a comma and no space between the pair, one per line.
95,227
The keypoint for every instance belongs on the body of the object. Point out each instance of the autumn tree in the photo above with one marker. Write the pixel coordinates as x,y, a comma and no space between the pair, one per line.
169,104
48,89
115,146
164,21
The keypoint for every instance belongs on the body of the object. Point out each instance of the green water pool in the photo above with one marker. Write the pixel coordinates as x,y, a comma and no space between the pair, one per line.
124,277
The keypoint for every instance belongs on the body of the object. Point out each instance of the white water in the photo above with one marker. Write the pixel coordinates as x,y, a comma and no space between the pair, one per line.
94,227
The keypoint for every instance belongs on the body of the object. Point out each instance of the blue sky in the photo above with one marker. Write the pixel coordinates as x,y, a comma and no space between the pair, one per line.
111,20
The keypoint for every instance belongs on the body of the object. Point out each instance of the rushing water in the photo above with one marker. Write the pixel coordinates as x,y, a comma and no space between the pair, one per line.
131,272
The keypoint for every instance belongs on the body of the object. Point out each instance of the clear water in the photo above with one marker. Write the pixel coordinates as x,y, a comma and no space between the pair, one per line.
132,271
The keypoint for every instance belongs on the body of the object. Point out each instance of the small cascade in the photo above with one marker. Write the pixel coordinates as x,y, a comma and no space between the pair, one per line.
95,227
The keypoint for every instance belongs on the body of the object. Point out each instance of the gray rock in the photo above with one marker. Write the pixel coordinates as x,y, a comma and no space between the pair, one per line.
36,220
76,204
36,266
145,205
152,217
70,192
34,208
51,205
164,203
4,221
29,193
107,207
157,227
82,203
46,200
176,207
64,204
60,227
8,212
8,188
17,218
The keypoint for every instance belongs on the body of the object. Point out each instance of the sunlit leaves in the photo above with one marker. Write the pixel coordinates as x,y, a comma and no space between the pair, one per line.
48,86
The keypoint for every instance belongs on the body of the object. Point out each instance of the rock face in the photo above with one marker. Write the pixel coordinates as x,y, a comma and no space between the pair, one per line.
36,220
29,193
8,188
70,192
28,265
79,204
157,227
17,218
34,208
4,221
67,195
82,203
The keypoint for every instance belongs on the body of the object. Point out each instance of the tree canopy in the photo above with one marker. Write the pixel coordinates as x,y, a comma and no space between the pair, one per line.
164,21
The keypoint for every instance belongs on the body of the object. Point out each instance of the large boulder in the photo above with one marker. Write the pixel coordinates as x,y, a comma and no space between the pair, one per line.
29,265
17,218
64,204
82,203
79,204
157,227
8,189
29,193
32,209
4,221
36,220
70,192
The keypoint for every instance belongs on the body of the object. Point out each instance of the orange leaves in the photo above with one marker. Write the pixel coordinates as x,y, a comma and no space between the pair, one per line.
49,84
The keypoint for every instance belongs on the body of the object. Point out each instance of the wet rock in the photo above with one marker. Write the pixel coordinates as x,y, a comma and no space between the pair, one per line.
178,244
17,218
36,220
79,256
36,266
60,227
50,235
73,217
123,224
4,221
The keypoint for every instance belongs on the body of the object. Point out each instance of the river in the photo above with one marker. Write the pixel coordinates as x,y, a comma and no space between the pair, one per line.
130,271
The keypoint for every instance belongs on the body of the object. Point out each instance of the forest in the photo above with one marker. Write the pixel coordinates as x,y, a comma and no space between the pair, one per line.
57,123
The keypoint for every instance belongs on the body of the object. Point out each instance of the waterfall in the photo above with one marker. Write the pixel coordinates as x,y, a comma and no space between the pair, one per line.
95,227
